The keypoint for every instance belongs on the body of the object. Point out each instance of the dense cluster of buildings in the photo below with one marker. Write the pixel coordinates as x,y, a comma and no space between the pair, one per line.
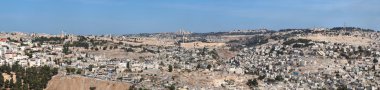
288,59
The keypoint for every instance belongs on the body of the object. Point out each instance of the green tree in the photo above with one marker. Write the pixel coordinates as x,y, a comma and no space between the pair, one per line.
5,68
92,88
172,87
198,66
170,68
30,55
132,87
209,67
68,70
252,83
375,60
342,87
279,78
18,84
261,77
90,67
128,65
25,86
6,84
79,71
65,50
11,82
31,78
16,67
1,80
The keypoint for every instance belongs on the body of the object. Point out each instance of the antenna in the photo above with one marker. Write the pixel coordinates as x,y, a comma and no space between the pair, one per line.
182,32
183,35
344,25
62,32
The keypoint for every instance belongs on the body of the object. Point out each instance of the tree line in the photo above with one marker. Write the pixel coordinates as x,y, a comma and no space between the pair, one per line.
27,78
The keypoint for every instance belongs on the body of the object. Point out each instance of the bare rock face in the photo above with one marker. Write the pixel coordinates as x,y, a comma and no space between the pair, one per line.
60,82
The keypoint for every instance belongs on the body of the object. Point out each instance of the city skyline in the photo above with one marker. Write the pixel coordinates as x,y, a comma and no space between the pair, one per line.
127,16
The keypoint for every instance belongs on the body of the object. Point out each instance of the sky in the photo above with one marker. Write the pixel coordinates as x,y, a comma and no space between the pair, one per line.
150,16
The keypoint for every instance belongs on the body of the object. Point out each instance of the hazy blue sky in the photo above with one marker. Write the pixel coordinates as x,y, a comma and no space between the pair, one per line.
137,16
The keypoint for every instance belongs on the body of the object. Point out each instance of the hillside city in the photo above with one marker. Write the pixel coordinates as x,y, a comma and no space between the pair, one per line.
338,58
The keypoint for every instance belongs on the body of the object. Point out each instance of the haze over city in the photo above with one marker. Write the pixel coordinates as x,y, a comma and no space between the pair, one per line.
145,16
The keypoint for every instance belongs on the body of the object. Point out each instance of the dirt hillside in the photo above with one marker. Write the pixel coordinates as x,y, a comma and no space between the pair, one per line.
60,82
341,39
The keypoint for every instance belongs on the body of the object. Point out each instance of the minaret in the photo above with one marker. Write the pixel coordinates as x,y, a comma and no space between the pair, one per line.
183,35
62,34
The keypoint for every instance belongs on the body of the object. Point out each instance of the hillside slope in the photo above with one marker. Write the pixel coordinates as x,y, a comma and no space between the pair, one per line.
60,82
